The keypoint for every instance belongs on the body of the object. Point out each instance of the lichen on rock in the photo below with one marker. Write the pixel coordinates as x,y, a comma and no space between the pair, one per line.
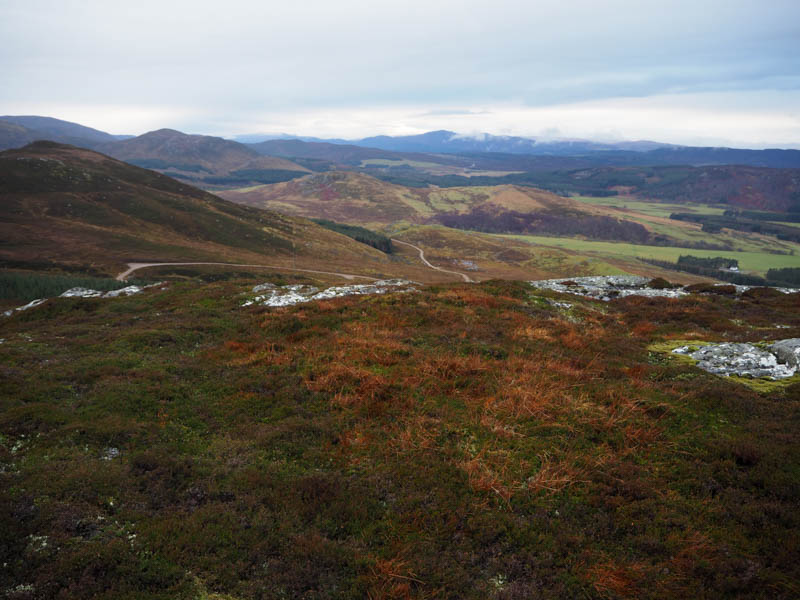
288,295
741,359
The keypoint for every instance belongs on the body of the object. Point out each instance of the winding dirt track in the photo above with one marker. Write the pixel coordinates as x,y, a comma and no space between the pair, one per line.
136,266
434,267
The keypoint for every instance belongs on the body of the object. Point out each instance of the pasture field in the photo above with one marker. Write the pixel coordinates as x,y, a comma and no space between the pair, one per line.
655,209
752,262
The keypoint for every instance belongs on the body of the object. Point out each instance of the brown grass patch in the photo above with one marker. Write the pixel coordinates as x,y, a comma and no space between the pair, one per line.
553,475
393,580
529,332
612,580
483,479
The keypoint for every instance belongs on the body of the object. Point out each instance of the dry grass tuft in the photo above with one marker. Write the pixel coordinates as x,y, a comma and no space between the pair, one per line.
483,479
611,580
553,475
392,579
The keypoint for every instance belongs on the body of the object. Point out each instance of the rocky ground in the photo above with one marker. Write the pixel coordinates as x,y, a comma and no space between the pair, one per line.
776,361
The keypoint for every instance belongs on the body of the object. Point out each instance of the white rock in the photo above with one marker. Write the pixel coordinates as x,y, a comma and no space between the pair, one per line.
294,294
744,360
110,454
607,287
787,351
126,291
30,304
81,292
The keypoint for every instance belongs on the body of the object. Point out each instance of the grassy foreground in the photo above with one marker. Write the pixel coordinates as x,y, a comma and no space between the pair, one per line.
461,442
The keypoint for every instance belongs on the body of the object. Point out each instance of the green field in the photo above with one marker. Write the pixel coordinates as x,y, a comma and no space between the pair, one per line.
753,262
651,215
387,162
655,209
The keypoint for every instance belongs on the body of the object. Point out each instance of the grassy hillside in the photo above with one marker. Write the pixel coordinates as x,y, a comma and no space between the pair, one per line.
202,160
13,135
737,186
76,208
460,442
360,199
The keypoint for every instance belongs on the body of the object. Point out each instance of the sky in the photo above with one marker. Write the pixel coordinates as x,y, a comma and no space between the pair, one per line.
708,72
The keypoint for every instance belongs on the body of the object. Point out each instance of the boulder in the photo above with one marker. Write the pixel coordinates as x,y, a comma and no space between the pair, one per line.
787,352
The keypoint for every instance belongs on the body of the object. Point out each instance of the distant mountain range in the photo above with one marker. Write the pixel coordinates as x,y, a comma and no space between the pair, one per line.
450,142
629,153
437,157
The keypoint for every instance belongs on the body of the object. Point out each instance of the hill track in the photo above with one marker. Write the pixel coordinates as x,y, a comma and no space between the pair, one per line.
136,266
434,267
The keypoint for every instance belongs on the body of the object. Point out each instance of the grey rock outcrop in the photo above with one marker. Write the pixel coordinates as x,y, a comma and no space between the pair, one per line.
787,351
607,287
294,294
744,360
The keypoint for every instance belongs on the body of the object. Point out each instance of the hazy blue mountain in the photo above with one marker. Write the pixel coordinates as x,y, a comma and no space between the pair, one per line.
450,142
58,130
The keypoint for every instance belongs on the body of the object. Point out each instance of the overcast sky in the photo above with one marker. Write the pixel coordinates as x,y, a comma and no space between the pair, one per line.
712,72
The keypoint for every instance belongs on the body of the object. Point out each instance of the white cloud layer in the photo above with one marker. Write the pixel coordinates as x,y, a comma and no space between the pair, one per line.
680,71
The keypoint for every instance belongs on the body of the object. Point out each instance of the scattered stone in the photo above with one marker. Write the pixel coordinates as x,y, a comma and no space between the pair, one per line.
23,590
744,360
264,287
30,304
294,294
81,292
607,287
126,291
468,265
787,352
37,543
110,454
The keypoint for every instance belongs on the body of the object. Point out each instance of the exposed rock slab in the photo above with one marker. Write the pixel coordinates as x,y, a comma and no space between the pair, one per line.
744,360
27,306
294,294
606,287
81,292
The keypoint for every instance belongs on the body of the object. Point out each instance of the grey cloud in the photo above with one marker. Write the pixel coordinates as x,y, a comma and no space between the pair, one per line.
243,56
